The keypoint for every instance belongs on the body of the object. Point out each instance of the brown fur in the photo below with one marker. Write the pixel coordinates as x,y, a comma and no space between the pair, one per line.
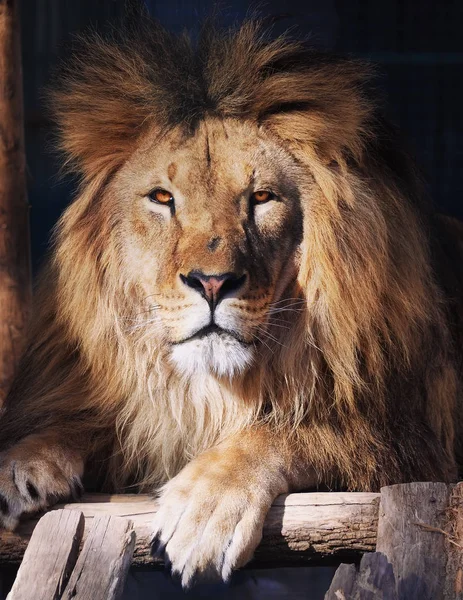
359,369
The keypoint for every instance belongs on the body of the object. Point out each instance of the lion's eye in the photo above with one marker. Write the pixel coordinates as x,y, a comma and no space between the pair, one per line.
161,197
262,196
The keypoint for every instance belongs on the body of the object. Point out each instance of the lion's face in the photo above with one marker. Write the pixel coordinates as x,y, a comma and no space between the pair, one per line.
210,226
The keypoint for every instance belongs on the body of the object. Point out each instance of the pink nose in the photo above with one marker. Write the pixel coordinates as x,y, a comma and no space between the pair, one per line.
213,287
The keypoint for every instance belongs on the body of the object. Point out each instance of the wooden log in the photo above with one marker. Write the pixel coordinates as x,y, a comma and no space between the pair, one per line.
50,557
453,587
374,580
300,528
104,562
15,279
306,528
420,532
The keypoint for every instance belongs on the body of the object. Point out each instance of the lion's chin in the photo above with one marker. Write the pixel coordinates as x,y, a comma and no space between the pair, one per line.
221,355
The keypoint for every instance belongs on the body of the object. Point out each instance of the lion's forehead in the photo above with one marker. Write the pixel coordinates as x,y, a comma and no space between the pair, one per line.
217,154
221,154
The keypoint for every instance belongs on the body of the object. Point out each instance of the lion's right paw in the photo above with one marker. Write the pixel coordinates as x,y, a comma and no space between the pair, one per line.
32,482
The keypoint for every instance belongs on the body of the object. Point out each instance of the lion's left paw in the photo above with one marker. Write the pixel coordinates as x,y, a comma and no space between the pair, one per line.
205,528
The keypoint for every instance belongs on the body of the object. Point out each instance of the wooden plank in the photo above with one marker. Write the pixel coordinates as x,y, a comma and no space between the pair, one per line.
343,583
412,532
299,529
373,581
15,276
50,556
453,587
104,562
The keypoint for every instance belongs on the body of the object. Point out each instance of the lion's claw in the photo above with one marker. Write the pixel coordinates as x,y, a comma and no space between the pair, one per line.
32,481
202,532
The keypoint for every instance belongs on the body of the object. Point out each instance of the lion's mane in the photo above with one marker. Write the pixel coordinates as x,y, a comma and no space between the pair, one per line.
368,373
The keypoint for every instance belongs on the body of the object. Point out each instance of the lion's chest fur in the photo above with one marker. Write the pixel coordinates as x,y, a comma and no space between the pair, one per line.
169,422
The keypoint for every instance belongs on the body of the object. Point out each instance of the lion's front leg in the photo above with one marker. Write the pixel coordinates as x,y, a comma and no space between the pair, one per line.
35,473
211,514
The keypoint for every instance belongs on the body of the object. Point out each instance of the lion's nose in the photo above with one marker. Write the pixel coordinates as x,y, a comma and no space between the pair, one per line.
213,287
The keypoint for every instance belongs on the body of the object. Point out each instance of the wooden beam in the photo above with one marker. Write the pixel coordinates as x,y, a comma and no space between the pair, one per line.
104,562
15,278
420,532
53,569
374,580
299,529
50,556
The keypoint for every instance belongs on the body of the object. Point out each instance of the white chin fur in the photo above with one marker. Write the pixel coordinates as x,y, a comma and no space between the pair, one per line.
222,355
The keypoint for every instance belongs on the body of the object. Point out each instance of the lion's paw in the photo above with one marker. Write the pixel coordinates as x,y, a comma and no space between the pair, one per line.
205,531
31,483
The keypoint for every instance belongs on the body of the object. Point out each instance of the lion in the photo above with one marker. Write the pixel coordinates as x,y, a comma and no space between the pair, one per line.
249,295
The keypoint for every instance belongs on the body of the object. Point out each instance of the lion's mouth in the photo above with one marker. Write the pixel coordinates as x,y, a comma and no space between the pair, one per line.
212,329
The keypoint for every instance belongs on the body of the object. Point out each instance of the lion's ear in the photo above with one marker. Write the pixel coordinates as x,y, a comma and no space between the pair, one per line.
100,106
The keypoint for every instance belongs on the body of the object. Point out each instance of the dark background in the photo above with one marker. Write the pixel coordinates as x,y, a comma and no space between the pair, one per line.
418,48
416,44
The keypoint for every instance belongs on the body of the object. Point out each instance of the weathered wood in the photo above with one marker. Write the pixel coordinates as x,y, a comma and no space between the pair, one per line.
15,284
104,562
343,583
50,556
453,587
373,581
300,528
414,532
303,528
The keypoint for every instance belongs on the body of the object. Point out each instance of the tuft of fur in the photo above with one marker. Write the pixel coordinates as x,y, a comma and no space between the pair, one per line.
365,382
121,85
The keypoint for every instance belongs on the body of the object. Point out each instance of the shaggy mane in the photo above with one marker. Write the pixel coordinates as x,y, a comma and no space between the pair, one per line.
138,76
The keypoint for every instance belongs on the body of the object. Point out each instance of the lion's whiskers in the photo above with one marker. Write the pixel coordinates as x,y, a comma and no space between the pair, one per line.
282,310
142,325
262,329
262,341
296,300
143,312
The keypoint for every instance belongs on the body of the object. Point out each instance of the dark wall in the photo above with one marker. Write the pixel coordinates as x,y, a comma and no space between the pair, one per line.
417,45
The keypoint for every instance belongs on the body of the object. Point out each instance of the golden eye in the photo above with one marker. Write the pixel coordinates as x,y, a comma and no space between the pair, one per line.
161,196
262,196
